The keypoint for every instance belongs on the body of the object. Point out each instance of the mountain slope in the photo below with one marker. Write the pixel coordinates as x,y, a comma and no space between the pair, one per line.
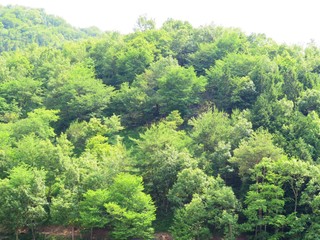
21,26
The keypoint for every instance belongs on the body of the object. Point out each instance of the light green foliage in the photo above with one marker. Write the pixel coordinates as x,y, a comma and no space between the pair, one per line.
161,154
79,133
213,211
189,182
162,88
103,53
131,210
92,211
190,221
300,136
133,59
78,95
38,153
48,63
101,162
64,207
161,39
37,123
140,102
225,41
214,135
25,93
22,199
265,202
291,86
210,128
250,152
17,65
182,43
179,89
266,199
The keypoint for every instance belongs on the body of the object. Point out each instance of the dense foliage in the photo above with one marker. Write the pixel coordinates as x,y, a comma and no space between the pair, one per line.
200,132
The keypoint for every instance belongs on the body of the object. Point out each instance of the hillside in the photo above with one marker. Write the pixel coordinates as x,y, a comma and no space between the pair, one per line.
203,133
21,26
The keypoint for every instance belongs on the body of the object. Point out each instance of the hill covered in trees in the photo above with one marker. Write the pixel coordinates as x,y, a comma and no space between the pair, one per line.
20,27
199,132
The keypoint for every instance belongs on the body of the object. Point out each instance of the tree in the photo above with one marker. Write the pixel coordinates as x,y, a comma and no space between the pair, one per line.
92,211
265,203
190,221
189,182
144,24
130,209
250,152
38,123
79,133
291,86
229,83
179,89
310,101
64,208
136,55
182,43
225,41
24,92
104,55
215,135
101,162
208,213
139,102
161,154
22,199
39,153
78,95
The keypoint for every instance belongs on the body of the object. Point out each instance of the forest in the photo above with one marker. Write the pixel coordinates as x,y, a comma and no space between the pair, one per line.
201,132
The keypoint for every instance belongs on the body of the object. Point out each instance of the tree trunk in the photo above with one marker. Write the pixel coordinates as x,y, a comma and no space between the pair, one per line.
33,234
17,234
230,230
72,232
91,233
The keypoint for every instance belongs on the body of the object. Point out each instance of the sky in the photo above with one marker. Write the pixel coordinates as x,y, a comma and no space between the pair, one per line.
288,21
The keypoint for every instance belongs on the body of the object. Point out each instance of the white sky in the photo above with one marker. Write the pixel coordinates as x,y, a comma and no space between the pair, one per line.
290,21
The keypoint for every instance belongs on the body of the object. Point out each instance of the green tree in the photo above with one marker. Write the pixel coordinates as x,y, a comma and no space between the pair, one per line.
22,199
229,82
92,211
64,207
78,95
136,55
144,24
179,89
310,101
190,221
215,135
131,210
189,182
212,212
265,203
251,151
161,154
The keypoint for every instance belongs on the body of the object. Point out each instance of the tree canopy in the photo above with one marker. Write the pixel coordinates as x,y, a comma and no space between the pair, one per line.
203,132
